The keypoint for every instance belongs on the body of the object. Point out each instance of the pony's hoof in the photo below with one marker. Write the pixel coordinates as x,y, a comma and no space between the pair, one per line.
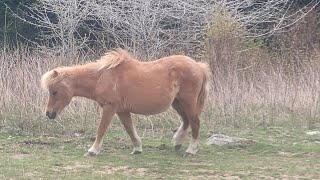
177,147
136,152
188,155
90,153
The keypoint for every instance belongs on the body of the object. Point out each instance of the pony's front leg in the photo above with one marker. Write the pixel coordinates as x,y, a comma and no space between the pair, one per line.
108,112
126,120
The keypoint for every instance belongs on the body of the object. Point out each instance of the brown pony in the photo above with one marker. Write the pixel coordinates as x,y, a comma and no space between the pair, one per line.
123,85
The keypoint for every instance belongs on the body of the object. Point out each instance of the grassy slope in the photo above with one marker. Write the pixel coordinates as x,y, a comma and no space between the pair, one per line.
278,153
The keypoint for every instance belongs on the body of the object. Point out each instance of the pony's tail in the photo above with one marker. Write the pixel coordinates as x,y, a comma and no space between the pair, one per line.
207,78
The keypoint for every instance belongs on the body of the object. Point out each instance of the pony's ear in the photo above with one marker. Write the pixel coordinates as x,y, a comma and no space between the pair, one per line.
55,74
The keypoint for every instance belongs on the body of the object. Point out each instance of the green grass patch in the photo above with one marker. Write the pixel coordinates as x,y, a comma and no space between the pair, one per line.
276,153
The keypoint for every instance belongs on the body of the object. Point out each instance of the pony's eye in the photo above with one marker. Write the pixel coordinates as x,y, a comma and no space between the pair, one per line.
54,93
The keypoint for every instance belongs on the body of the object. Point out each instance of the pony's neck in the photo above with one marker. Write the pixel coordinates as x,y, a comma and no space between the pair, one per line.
83,80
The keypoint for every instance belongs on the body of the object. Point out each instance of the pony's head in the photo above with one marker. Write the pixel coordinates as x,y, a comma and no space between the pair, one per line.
60,93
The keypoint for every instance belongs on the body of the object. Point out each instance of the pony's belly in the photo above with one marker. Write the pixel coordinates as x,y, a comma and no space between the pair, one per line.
149,107
150,111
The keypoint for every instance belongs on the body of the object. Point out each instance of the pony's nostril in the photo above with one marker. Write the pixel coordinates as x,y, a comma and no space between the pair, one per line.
51,115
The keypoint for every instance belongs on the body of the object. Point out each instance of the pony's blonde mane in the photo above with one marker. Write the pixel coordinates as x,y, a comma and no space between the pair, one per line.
113,58
108,61
50,78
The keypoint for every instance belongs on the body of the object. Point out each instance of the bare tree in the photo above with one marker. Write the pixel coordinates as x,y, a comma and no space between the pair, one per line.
149,26
153,27
59,21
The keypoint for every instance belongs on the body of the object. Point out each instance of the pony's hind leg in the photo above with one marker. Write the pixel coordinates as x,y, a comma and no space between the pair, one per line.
195,126
181,133
126,120
188,105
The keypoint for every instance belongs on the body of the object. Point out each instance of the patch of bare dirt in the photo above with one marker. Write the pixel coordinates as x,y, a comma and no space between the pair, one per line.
30,174
306,154
2,146
76,167
210,175
36,142
114,169
20,156
108,170
288,154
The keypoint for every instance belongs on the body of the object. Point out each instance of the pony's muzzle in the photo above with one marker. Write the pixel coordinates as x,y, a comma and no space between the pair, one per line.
51,115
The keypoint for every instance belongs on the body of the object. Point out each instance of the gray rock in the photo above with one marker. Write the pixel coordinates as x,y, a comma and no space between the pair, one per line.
221,139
